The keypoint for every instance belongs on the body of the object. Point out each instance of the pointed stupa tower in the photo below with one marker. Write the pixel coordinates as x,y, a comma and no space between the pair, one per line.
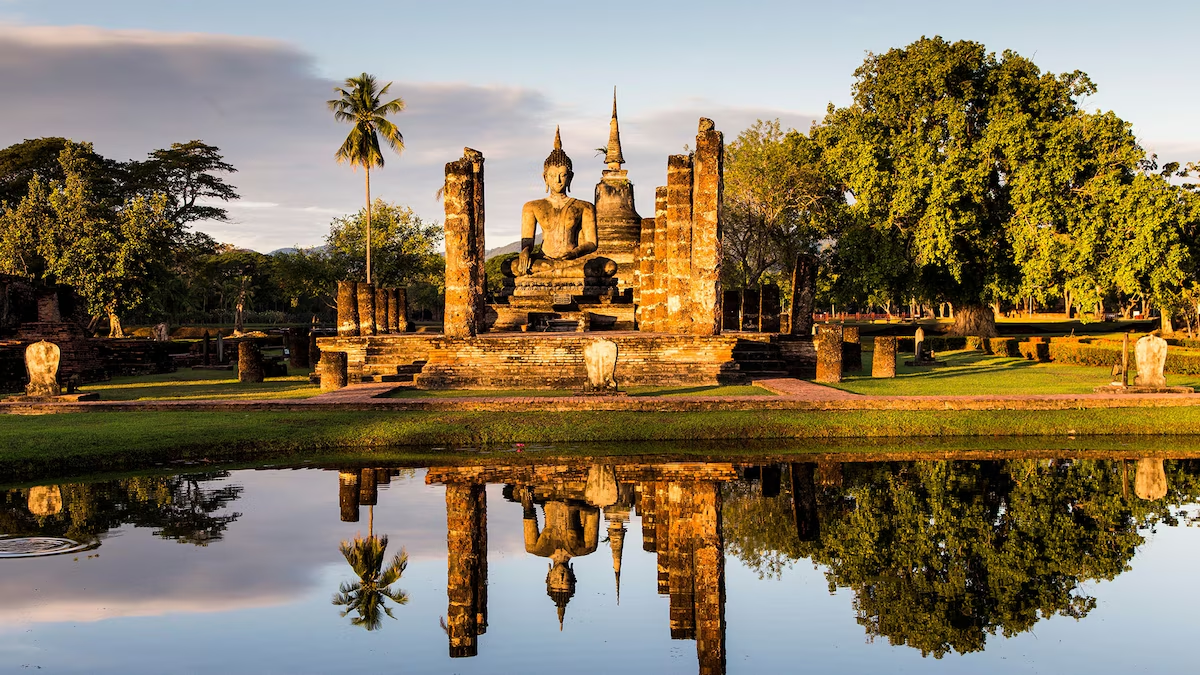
618,223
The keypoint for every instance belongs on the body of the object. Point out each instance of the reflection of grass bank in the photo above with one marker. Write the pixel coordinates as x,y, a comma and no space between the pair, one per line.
56,444
202,385
970,373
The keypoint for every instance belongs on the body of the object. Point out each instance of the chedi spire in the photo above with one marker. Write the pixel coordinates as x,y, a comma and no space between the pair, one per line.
613,157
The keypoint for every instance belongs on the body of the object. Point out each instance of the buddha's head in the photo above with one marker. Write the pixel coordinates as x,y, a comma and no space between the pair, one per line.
557,169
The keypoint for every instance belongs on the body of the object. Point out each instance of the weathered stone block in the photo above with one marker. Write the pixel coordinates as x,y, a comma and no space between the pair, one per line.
1151,354
851,350
600,359
250,362
769,308
333,367
41,364
829,353
883,362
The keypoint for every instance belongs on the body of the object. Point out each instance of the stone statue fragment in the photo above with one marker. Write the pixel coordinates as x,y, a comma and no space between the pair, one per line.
1151,352
600,358
41,362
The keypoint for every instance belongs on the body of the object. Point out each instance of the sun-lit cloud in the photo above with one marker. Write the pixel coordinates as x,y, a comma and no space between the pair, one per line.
262,103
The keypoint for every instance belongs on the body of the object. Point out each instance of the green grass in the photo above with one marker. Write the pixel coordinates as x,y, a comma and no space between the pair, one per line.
974,373
81,442
713,390
190,384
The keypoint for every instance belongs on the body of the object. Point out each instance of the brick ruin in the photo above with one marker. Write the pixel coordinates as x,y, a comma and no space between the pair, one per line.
652,284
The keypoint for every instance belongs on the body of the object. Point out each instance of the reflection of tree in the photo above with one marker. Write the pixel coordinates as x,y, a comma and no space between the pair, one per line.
182,508
942,554
368,596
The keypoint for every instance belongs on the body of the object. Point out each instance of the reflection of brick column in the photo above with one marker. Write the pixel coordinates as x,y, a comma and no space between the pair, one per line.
662,526
646,510
461,250
348,495
466,566
705,282
679,235
681,562
709,569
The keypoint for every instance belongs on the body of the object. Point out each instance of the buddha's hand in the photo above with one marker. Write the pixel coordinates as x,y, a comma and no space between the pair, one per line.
523,263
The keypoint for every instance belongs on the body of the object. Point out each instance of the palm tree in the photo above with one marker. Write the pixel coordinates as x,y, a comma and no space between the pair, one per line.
367,596
359,105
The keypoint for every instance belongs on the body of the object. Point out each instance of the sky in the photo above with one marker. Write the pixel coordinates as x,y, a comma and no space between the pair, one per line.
252,77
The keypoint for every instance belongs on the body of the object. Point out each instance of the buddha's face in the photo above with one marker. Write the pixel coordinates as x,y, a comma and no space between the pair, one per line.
558,179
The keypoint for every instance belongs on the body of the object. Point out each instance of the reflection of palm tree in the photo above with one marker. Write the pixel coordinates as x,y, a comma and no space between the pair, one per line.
367,596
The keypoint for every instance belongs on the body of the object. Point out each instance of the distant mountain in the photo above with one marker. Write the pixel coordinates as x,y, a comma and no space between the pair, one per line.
514,247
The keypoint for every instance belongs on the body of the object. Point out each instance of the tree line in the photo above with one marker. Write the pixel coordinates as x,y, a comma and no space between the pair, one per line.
119,235
960,177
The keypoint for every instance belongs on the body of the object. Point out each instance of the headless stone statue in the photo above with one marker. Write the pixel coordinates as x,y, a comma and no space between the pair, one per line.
568,224
41,363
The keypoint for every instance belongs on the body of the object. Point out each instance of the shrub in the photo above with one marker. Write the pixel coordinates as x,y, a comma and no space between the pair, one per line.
974,342
1034,351
1001,346
938,343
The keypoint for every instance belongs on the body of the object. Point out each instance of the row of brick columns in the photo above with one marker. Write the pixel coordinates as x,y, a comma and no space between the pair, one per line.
364,309
678,274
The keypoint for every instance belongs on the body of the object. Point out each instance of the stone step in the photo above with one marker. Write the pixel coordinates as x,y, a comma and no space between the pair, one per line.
407,378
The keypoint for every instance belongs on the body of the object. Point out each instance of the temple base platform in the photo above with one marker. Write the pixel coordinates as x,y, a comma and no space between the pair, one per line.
544,360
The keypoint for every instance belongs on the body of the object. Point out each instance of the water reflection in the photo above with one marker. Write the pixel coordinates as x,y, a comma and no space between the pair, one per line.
939,556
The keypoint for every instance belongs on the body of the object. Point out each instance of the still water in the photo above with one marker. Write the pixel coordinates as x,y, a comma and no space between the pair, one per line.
613,566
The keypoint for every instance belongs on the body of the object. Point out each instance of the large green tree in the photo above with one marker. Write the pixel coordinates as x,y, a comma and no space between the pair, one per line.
67,232
947,147
406,252
187,173
359,103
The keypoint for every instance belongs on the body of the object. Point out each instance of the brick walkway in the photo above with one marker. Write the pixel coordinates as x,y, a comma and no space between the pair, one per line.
792,394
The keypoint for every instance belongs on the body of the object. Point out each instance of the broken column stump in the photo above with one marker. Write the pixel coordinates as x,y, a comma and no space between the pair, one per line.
334,370
829,353
883,363
250,362
851,350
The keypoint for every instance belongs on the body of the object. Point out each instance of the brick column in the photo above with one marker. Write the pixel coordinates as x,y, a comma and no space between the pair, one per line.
381,309
661,255
851,350
643,285
366,308
478,275
401,310
466,567
347,308
461,290
679,243
707,194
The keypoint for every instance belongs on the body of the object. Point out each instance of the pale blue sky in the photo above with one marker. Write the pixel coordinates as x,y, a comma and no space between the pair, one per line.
538,64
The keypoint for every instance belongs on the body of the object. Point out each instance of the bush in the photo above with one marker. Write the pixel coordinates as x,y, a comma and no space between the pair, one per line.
938,343
1001,346
974,342
1035,351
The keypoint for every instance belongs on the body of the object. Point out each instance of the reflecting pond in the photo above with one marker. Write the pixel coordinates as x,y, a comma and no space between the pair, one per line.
519,564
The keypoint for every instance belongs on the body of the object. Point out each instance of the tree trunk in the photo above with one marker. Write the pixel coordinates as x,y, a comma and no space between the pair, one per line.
368,224
974,320
1165,321
114,325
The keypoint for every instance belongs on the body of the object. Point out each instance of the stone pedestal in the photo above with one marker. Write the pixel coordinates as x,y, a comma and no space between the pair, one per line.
829,353
883,362
250,362
333,367
851,350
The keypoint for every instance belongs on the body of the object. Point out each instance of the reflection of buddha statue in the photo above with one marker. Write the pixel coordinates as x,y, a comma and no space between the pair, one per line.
572,529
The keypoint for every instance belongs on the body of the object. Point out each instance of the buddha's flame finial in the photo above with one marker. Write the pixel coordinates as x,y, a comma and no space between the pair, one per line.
557,138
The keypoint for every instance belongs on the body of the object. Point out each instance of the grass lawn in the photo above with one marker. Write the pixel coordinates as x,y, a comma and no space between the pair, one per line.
202,384
33,446
713,390
975,373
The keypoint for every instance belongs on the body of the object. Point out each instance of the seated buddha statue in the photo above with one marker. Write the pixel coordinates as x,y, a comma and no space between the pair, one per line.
568,229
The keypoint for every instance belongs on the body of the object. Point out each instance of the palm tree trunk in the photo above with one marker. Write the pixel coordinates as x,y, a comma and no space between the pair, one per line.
368,224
